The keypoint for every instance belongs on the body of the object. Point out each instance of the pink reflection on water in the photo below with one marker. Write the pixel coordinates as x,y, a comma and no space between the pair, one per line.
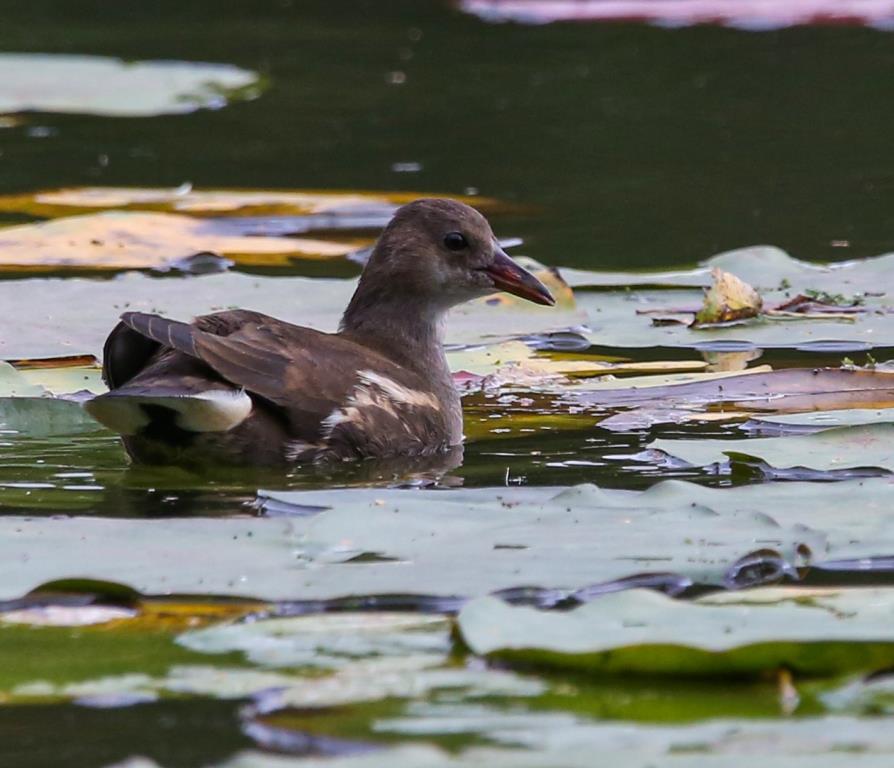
752,14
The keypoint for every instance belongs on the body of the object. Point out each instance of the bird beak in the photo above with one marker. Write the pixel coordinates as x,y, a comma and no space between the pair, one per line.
510,277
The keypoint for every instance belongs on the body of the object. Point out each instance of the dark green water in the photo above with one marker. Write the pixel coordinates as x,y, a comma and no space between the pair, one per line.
638,146
631,146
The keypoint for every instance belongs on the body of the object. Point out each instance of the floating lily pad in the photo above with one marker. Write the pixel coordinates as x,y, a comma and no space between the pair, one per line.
515,363
870,445
625,318
766,268
330,207
761,391
645,632
850,417
368,657
398,545
94,85
131,240
43,417
84,311
14,384
52,376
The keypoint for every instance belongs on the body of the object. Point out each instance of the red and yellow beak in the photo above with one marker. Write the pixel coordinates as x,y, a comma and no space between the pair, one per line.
510,277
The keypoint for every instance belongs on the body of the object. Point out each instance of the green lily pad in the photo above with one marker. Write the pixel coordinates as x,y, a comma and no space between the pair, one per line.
624,318
84,311
43,417
821,506
765,267
40,662
362,657
365,545
95,85
645,632
870,445
849,417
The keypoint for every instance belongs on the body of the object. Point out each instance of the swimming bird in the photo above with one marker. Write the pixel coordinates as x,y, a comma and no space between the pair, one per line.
240,387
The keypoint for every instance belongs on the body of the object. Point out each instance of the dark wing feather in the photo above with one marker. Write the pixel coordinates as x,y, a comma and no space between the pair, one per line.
125,353
168,333
304,372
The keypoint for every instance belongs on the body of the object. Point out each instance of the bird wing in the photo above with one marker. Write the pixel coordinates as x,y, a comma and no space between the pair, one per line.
307,374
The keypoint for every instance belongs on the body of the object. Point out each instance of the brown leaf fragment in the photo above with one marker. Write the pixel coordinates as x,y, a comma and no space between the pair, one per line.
812,304
787,391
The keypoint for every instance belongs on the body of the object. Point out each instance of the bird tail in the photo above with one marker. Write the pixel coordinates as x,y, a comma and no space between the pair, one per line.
132,410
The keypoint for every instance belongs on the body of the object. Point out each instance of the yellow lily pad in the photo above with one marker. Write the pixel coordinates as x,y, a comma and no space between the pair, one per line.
132,240
516,363
213,202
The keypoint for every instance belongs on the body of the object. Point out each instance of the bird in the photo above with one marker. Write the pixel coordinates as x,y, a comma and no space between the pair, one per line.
239,387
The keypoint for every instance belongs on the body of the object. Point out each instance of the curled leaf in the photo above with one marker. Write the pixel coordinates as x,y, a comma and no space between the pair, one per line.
728,299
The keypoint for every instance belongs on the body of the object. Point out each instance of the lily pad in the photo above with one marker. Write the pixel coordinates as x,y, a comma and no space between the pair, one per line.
821,506
329,207
95,85
645,632
516,363
84,311
14,384
53,376
849,417
131,240
399,545
765,267
43,417
735,395
870,445
624,318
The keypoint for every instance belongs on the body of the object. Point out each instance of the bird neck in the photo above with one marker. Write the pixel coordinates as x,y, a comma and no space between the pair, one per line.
407,330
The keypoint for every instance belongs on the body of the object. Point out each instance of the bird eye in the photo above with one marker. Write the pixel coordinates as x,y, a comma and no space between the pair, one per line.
454,241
